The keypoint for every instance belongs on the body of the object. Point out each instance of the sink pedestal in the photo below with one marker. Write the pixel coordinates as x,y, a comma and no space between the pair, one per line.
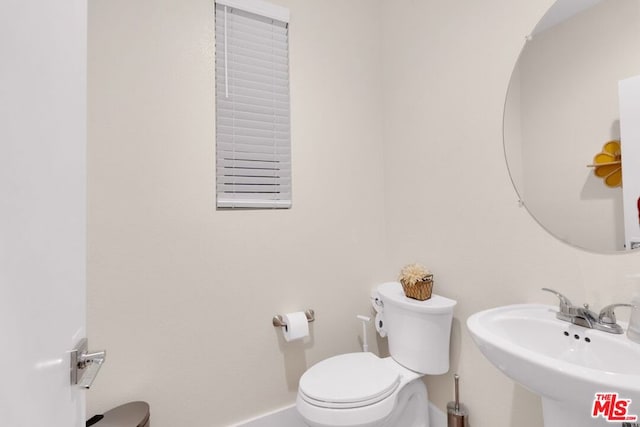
564,414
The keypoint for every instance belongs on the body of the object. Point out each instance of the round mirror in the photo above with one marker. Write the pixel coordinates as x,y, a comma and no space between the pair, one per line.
574,90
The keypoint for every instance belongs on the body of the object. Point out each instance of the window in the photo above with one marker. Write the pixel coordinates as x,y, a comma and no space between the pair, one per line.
253,136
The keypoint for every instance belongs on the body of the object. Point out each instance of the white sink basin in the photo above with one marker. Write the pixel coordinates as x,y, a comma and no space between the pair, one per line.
565,364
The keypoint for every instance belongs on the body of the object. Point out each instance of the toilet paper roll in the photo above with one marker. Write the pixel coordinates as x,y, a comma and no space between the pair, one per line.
380,325
297,326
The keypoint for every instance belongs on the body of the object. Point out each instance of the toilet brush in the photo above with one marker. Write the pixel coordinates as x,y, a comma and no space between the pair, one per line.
456,412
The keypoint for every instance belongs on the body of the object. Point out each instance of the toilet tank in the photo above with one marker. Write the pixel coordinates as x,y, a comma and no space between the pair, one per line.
418,331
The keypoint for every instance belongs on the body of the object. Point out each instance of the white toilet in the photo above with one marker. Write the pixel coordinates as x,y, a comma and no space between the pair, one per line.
363,390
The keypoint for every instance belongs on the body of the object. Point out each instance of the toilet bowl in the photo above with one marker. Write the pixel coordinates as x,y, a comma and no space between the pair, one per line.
363,390
360,389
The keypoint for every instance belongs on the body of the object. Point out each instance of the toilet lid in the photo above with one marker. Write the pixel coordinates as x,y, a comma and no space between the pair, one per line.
348,380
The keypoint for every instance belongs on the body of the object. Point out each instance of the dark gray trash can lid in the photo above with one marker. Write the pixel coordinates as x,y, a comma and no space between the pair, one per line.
132,414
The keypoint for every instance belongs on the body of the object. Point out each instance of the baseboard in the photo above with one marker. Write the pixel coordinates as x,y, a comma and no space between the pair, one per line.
283,417
289,417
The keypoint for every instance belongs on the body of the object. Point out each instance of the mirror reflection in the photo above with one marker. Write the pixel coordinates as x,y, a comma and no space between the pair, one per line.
573,90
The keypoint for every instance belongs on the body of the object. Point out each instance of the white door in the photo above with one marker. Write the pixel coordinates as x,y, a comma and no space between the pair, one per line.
42,209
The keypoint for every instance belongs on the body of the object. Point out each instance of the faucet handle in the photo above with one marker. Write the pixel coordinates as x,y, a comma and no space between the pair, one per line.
565,304
608,316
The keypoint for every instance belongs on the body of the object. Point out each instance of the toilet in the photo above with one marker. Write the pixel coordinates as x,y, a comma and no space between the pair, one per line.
364,390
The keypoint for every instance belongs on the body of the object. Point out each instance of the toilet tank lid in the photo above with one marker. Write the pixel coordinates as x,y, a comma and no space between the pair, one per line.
391,292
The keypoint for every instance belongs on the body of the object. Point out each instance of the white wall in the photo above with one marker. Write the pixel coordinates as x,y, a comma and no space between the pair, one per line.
450,203
182,295
415,106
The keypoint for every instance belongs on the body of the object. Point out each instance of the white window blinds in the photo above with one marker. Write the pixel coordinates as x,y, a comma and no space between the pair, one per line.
253,138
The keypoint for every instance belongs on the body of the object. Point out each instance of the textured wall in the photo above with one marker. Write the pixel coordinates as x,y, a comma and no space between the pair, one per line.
182,295
449,200
411,95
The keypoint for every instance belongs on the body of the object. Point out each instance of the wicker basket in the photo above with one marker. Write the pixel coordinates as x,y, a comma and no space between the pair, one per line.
421,290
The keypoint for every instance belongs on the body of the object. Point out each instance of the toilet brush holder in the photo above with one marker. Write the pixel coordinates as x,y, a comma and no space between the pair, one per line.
456,412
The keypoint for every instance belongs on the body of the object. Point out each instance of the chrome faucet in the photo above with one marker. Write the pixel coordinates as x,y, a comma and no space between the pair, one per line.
583,316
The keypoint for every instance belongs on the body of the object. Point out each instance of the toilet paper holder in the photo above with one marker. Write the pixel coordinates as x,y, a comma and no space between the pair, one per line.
278,321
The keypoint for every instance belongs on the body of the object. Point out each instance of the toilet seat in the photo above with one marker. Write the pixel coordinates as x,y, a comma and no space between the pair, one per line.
350,380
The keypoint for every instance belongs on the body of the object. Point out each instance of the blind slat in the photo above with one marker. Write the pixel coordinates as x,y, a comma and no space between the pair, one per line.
243,51
245,103
261,161
256,65
253,136
261,203
248,150
250,94
282,143
257,198
255,112
256,39
253,108
271,80
254,90
242,123
240,53
230,173
257,180
265,186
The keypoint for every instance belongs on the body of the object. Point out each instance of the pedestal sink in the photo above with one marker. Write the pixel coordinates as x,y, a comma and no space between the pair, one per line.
567,365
